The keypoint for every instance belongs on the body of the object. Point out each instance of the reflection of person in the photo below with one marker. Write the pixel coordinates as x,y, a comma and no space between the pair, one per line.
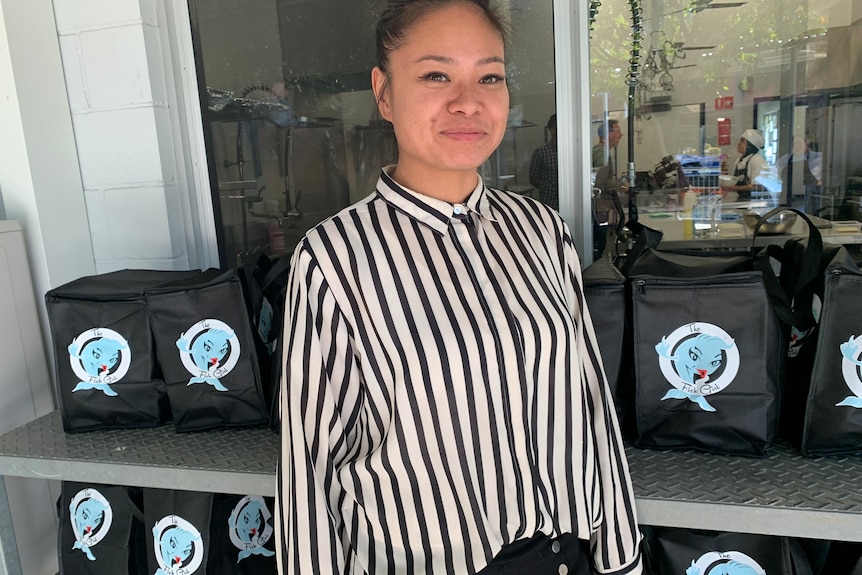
608,158
607,183
544,169
801,171
444,406
748,166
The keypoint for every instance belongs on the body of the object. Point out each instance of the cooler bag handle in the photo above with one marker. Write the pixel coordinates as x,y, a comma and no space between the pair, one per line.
792,303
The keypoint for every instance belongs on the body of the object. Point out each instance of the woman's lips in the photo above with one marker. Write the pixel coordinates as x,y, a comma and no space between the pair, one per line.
464,135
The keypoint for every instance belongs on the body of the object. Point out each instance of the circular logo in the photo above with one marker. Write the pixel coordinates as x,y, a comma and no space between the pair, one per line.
100,355
250,523
178,546
212,349
743,564
850,369
91,517
699,358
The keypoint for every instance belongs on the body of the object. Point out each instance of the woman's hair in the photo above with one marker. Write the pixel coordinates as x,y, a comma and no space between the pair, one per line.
750,149
399,15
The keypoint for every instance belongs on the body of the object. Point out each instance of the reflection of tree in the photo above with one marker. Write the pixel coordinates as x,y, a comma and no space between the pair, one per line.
744,39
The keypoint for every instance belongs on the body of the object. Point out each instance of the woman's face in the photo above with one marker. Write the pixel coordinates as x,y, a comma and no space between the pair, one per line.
446,95
742,146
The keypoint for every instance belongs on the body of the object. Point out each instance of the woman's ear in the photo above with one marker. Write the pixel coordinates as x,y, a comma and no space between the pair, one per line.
380,86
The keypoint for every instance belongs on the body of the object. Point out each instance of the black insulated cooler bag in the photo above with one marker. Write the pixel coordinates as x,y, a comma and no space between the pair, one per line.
243,536
106,373
708,354
101,530
206,350
605,292
696,552
833,415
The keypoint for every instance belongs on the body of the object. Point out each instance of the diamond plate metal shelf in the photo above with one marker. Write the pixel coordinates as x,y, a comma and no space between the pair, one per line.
783,494
238,461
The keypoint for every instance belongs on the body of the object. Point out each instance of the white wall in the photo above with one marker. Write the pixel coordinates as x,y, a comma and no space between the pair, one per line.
137,203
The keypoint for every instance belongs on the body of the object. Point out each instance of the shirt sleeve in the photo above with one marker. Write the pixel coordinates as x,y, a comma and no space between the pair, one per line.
317,372
615,543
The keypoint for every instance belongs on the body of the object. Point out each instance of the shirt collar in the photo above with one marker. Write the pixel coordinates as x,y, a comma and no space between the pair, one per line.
430,211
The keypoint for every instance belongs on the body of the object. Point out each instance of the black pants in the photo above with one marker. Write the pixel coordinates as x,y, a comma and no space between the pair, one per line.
541,555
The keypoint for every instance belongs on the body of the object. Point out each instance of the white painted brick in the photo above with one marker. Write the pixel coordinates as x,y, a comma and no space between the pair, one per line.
165,132
75,15
99,233
137,223
118,147
115,67
176,220
76,88
149,12
153,47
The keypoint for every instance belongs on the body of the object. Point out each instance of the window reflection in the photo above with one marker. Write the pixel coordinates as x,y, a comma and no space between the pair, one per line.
710,70
290,121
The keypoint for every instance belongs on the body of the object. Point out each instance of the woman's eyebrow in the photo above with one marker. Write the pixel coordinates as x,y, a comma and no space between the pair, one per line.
450,60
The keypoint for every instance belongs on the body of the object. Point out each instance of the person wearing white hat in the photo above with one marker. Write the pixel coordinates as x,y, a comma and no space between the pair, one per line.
749,165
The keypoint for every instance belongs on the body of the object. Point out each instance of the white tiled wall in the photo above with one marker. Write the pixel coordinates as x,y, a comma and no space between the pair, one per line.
113,62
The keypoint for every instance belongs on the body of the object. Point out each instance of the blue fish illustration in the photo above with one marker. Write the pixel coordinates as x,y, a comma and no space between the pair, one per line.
729,568
695,360
98,357
175,545
87,516
208,352
851,349
249,525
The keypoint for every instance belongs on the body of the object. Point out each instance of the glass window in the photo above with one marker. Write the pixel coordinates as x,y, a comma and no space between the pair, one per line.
747,104
290,122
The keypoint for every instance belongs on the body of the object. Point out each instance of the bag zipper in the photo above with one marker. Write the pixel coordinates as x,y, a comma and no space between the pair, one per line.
734,278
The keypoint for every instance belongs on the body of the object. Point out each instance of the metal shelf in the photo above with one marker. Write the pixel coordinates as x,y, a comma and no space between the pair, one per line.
783,494
240,461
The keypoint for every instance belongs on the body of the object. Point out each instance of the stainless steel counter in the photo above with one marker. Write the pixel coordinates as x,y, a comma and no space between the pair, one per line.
731,234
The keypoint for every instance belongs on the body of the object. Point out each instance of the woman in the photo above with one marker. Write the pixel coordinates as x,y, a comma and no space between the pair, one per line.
748,166
444,408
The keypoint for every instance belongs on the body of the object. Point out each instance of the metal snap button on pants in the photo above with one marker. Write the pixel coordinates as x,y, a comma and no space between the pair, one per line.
542,555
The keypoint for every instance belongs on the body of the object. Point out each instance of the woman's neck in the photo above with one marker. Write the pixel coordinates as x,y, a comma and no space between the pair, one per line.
453,186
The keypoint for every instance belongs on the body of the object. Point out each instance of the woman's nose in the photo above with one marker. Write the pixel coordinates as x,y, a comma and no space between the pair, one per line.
465,100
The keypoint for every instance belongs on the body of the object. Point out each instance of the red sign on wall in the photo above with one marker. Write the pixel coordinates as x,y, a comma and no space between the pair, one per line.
724,103
724,131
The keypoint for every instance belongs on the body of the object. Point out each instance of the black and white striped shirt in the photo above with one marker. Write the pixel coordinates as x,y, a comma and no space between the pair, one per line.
443,393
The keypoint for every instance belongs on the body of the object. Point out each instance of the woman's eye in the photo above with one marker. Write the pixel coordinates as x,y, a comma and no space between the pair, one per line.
492,79
435,77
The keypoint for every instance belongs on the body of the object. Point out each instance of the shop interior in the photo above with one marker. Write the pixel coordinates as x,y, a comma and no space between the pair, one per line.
293,135
707,71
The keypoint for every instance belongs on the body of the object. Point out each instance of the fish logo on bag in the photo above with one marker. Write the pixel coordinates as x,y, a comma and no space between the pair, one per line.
99,357
91,517
698,360
209,350
250,525
725,563
178,546
851,369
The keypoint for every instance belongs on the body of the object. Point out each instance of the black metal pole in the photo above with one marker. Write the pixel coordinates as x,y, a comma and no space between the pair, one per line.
632,81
